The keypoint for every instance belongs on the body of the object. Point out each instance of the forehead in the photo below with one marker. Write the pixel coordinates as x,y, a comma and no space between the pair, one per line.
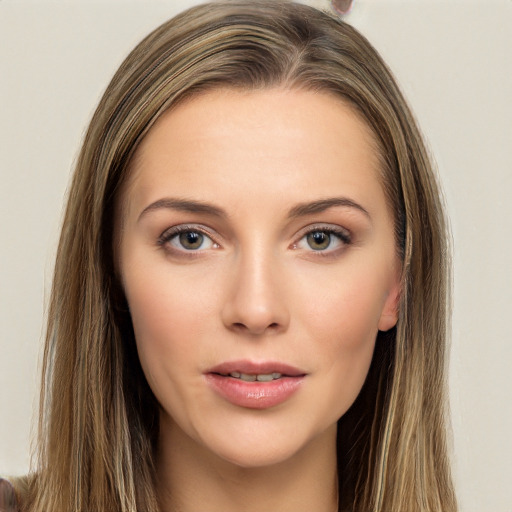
270,141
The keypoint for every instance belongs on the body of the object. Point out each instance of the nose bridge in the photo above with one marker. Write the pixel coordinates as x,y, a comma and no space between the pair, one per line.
256,301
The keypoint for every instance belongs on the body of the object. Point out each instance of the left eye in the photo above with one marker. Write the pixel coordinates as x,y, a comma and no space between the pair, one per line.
323,239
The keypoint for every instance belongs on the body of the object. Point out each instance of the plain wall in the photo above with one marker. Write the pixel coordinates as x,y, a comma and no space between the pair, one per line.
453,60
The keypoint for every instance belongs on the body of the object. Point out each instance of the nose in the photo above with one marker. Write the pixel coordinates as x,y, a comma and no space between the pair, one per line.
255,304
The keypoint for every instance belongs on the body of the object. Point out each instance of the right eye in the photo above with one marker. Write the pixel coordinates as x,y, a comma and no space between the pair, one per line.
187,239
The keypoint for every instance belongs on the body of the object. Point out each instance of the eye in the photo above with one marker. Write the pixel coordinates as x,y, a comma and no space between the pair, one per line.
324,239
187,239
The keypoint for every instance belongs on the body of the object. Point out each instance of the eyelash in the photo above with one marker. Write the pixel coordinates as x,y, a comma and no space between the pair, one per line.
343,236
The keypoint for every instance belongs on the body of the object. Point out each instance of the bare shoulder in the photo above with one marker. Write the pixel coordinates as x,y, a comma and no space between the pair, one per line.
8,501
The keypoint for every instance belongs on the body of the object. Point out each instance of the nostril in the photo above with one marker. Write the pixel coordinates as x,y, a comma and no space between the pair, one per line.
242,327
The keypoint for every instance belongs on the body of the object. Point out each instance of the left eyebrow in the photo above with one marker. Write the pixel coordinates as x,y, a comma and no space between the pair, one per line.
321,205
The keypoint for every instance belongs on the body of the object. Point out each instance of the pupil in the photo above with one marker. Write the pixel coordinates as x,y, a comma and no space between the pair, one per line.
319,240
191,240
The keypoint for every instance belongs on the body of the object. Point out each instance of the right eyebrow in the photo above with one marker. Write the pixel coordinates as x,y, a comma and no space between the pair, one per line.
183,205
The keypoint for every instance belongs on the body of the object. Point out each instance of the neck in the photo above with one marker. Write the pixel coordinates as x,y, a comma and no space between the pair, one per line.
192,478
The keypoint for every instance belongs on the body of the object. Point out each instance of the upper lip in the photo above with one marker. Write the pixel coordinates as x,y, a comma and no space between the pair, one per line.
257,368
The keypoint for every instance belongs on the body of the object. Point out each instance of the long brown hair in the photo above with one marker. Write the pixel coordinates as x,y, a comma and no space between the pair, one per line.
99,419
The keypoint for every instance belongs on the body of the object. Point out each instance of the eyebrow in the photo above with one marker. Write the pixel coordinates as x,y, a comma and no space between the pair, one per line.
184,205
300,210
321,205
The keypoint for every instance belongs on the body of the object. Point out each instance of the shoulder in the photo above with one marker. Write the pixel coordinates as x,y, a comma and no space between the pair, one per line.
8,501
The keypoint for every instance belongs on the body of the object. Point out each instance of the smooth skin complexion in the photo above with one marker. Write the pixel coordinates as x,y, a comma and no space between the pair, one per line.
255,242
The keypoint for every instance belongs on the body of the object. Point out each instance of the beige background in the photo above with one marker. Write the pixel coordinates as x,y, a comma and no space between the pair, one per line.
454,62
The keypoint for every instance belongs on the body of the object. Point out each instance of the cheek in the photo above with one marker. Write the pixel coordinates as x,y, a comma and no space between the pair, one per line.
342,321
162,335
173,315
346,311
168,338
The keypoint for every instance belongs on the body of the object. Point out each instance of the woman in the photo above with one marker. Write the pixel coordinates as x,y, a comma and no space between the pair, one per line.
249,306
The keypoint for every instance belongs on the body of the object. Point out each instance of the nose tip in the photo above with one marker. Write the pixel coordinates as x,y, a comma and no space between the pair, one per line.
256,305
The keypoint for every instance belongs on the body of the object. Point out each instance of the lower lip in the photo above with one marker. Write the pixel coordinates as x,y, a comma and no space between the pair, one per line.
254,395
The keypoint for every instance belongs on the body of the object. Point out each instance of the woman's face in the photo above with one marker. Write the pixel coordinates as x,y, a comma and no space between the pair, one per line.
258,259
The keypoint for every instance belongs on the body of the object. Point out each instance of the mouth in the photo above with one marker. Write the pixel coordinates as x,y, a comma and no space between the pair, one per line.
249,371
251,377
255,385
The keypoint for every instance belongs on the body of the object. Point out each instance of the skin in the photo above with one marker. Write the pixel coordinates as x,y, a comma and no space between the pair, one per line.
256,289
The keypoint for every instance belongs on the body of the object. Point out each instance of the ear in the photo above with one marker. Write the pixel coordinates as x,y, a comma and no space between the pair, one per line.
389,315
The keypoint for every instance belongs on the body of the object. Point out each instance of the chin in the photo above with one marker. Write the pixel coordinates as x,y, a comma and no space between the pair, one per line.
260,447
254,457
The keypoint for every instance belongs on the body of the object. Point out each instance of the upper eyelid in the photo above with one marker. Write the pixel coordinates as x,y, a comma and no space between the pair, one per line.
331,228
183,228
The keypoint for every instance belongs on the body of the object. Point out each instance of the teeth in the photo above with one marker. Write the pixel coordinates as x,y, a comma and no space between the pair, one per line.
264,377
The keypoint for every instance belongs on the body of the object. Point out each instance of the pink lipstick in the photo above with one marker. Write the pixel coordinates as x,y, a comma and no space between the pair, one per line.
255,385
